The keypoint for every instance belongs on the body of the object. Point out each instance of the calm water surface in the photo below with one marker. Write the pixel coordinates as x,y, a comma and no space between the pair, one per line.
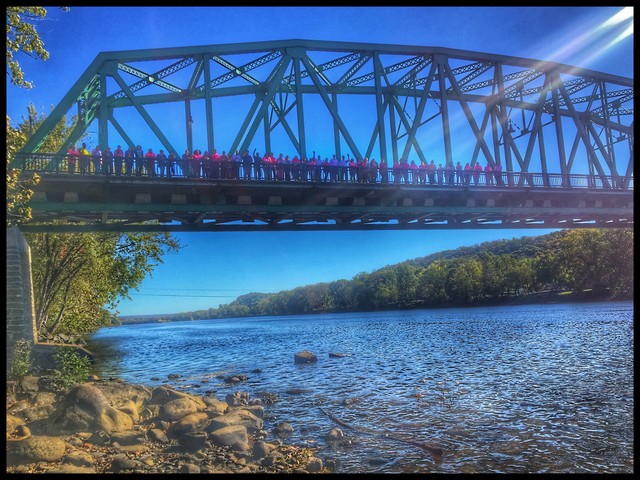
539,388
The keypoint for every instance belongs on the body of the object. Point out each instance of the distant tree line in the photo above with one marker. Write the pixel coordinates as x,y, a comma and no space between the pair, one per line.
593,262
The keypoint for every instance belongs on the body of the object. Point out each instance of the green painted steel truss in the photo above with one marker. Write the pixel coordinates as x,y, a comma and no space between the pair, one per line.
412,101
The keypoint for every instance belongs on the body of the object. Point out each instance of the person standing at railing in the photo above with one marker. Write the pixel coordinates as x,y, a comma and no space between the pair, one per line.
206,165
413,168
334,163
236,161
404,170
353,170
440,173
196,163
395,171
118,158
373,171
171,162
72,158
247,160
296,166
84,159
129,156
107,161
225,167
343,168
384,171
163,163
459,174
449,173
497,173
422,172
468,171
477,170
140,161
431,171
185,164
96,159
150,162
214,171
488,174
257,165
161,160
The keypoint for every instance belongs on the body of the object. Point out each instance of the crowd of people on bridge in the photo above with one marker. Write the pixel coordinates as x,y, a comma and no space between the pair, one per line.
254,166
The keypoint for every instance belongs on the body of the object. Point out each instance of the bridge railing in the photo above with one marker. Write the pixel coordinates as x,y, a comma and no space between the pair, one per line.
87,165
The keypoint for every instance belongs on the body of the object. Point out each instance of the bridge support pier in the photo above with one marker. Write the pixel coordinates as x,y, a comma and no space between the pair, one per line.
20,304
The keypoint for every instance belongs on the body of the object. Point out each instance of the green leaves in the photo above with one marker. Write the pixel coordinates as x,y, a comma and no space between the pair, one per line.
76,276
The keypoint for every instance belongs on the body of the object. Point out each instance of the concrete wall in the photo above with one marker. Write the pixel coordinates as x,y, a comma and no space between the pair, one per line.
20,305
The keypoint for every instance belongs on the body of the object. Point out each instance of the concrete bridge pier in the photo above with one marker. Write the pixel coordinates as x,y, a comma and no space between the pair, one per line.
20,304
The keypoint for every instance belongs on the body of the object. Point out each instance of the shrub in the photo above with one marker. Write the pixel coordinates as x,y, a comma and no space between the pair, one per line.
73,368
21,360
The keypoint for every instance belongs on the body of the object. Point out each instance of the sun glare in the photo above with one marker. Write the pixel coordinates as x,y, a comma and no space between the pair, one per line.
621,16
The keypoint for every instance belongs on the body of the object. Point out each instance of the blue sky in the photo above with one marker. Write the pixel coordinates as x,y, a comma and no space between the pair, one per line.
214,268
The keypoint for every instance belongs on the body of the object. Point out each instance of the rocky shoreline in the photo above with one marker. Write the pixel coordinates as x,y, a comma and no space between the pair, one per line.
110,426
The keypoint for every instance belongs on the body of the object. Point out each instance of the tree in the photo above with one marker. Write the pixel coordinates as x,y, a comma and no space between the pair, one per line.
20,185
76,276
23,37
432,283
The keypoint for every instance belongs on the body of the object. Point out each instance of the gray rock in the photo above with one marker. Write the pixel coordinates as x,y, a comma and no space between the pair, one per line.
283,428
305,357
190,423
189,468
236,417
234,436
78,459
179,408
157,435
128,437
314,465
193,441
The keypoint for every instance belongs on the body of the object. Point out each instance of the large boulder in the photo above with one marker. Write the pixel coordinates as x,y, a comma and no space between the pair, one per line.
85,408
40,449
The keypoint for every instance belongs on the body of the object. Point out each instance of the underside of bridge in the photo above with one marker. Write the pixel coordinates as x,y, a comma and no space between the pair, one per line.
95,203
389,102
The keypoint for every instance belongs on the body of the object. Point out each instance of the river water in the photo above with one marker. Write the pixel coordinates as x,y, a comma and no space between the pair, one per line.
517,389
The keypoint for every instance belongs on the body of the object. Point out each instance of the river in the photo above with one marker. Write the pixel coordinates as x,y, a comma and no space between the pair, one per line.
517,389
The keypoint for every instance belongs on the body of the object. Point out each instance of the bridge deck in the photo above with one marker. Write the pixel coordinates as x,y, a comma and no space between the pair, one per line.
100,202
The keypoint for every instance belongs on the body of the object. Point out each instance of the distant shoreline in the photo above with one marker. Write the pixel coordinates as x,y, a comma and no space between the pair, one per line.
543,298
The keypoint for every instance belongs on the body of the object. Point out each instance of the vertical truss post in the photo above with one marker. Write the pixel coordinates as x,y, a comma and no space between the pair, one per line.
504,123
559,133
208,102
299,109
336,128
444,107
378,72
187,114
103,114
394,131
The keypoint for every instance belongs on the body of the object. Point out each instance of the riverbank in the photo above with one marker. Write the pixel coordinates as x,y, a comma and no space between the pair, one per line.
110,426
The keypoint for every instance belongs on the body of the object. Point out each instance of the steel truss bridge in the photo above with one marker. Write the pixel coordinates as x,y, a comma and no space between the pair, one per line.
563,136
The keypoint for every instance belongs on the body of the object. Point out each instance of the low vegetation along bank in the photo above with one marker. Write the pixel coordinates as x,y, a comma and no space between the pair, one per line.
569,265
